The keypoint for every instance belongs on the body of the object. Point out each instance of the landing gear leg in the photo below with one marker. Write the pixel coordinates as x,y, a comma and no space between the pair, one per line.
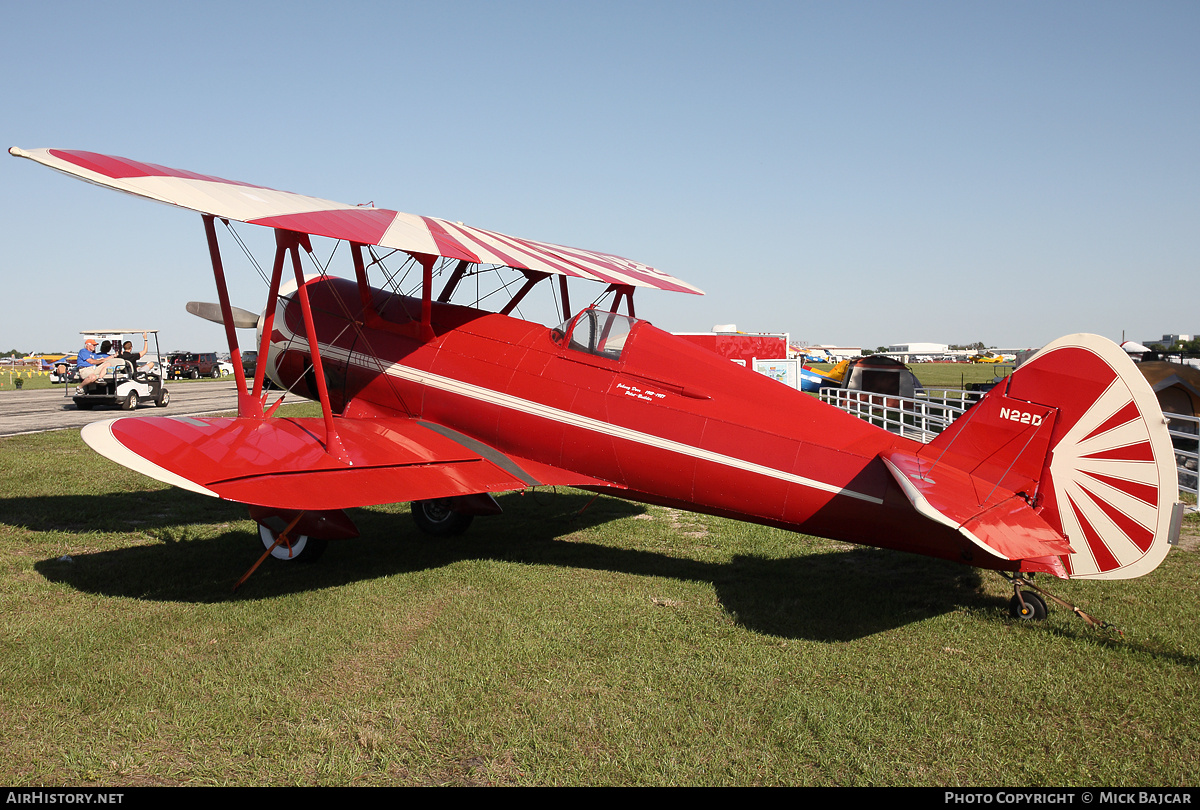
291,546
1030,606
1025,604
284,546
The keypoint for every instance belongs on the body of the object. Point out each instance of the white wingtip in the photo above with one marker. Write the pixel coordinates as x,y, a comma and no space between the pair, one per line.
99,437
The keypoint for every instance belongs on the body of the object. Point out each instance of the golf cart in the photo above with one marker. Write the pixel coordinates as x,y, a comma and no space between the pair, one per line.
63,370
127,384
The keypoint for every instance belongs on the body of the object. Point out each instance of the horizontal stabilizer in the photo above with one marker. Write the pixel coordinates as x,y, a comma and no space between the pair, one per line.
996,520
282,463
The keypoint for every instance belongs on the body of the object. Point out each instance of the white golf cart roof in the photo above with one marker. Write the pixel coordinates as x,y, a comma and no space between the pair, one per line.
107,332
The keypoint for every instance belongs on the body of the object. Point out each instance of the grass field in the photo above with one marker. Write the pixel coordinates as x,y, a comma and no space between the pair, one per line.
40,382
8,381
567,642
946,375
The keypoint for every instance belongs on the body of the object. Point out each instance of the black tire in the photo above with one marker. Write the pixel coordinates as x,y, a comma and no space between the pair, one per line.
130,402
304,549
194,374
216,373
1033,610
163,399
436,518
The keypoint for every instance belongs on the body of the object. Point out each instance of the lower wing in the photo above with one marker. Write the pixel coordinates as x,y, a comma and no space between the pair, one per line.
282,463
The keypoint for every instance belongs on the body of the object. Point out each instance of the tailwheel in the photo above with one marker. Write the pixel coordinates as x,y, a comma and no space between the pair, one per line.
1027,606
301,547
438,518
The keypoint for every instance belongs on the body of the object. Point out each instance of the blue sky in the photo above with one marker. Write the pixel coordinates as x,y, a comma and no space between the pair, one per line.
851,173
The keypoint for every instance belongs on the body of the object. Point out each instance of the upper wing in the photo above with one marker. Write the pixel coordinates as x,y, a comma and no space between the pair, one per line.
282,464
369,226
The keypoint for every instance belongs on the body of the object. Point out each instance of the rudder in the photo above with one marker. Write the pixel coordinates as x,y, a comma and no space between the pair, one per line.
1081,411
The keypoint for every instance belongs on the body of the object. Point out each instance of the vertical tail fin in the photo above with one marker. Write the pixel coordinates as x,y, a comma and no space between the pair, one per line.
1078,432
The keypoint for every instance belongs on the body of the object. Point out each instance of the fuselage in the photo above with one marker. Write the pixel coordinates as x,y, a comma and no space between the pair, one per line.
650,416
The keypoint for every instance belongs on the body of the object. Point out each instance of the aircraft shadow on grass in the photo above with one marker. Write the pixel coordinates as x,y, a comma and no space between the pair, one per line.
829,596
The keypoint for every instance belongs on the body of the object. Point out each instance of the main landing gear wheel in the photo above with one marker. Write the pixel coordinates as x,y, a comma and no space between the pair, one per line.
436,517
303,548
1034,608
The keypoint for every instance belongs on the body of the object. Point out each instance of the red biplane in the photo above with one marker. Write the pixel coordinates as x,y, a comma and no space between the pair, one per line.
1066,468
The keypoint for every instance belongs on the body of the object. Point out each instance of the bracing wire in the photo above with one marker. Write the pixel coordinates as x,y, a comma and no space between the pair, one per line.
395,283
246,250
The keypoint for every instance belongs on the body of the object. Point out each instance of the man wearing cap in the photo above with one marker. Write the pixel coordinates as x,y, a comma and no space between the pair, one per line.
90,365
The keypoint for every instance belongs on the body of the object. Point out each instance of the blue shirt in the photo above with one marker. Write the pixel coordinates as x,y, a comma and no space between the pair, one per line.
85,354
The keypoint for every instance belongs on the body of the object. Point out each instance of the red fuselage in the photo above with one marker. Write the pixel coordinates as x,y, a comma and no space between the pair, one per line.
651,416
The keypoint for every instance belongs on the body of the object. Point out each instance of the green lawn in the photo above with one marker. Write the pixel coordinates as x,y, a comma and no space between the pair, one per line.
27,381
567,642
947,375
957,375
36,382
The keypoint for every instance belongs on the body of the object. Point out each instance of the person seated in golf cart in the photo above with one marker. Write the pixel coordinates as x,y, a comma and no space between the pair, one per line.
130,356
91,364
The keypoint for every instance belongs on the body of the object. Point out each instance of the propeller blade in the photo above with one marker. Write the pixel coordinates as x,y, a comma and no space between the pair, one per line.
242,318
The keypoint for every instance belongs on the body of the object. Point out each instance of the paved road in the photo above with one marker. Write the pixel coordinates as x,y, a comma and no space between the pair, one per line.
38,411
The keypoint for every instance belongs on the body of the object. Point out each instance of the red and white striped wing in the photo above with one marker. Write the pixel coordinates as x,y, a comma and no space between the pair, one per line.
1113,481
258,205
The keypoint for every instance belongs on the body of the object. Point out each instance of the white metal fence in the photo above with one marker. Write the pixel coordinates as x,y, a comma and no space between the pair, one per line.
1185,436
923,417
919,418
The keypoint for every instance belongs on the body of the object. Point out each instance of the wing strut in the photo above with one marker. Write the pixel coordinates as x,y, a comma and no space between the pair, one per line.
566,304
360,274
248,405
622,290
418,331
427,261
268,329
460,270
291,242
532,277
